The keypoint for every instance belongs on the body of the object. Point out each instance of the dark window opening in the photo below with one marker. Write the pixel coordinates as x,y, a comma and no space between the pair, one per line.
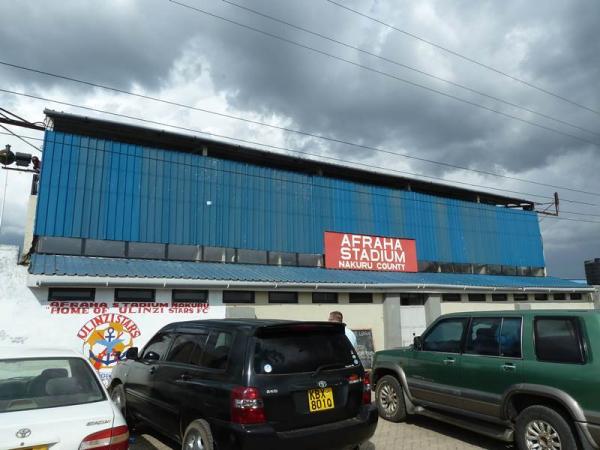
157,347
509,270
145,250
412,299
520,297
282,259
451,297
251,256
576,296
189,296
558,340
324,297
540,296
59,245
219,254
360,297
283,297
484,336
476,297
216,355
71,295
238,296
110,249
446,336
184,252
559,296
309,260
499,297
134,295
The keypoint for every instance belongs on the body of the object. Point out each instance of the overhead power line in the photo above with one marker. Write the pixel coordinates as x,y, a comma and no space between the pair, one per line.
292,130
19,137
466,58
465,205
408,67
245,141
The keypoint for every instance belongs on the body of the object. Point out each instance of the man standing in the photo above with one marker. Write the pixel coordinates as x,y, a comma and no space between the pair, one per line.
337,316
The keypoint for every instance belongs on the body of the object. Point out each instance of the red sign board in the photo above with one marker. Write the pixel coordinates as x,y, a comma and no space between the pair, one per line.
362,252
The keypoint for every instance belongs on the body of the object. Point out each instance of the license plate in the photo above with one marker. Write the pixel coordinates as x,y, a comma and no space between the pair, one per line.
320,399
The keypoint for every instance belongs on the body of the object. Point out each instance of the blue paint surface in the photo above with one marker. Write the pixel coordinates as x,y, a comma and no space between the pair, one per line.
99,189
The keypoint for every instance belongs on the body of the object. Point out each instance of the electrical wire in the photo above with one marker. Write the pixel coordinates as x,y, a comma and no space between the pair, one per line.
304,133
361,190
411,68
466,58
19,137
388,75
254,143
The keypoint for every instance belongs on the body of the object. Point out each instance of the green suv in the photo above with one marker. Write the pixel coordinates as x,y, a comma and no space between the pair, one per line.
532,377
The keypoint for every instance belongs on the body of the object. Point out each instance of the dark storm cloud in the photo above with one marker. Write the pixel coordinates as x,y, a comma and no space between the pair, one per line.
126,43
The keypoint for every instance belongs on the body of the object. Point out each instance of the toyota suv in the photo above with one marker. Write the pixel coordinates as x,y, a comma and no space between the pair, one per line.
531,377
249,384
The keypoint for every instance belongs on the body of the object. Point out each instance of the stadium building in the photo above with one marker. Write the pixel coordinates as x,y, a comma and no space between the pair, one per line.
152,226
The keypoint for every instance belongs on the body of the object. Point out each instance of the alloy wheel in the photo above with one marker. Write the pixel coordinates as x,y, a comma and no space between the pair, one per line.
193,441
542,436
388,399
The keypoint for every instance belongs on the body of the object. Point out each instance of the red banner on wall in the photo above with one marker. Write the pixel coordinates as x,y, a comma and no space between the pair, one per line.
349,251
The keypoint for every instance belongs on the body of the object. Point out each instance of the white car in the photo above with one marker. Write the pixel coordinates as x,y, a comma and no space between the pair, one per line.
53,400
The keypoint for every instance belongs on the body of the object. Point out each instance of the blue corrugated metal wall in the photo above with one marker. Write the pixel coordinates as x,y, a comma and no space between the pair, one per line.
98,189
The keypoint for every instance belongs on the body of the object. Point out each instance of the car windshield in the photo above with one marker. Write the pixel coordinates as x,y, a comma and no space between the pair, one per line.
303,352
27,384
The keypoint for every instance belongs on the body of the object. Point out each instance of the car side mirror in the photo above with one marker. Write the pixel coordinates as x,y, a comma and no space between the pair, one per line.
132,353
152,356
418,343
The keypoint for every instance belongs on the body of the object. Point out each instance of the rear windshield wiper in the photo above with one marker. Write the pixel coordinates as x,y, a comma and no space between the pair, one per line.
328,367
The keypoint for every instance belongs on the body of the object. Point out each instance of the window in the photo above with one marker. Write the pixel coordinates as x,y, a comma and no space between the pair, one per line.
28,384
238,296
324,297
477,297
182,349
134,295
576,296
558,340
59,245
217,350
189,296
283,297
146,250
309,260
484,336
451,297
510,337
361,297
524,271
540,296
251,256
184,252
157,347
113,249
71,295
219,254
559,296
446,336
186,347
282,259
494,269
520,297
299,351
412,299
509,270
428,266
499,297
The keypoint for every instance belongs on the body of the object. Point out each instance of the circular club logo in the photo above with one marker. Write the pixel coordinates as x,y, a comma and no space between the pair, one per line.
105,338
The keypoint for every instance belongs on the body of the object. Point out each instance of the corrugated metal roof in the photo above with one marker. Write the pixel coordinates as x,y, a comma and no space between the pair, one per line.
137,268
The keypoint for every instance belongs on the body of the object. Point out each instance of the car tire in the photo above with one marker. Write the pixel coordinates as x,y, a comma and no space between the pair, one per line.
390,399
117,395
543,425
197,436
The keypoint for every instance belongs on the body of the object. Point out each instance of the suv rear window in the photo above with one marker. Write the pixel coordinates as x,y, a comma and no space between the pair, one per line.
305,351
27,384
558,339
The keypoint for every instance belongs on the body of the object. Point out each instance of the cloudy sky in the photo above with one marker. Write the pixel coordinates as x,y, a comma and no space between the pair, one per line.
162,49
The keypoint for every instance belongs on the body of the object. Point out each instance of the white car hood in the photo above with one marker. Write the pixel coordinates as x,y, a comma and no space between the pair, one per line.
61,428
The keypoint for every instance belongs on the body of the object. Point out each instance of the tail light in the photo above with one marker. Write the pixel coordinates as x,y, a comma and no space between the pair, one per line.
247,406
367,389
111,439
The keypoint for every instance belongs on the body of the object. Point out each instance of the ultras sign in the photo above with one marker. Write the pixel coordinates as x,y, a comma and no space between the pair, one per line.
362,252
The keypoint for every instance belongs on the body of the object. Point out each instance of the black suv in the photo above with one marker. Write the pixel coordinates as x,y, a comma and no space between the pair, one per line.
249,384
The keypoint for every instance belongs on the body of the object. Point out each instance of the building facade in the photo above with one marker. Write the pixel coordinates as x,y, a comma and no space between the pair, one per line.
135,217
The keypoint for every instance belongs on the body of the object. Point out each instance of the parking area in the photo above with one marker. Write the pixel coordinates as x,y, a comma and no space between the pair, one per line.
419,433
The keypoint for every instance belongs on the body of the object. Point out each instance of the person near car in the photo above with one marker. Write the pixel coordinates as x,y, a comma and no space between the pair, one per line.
337,316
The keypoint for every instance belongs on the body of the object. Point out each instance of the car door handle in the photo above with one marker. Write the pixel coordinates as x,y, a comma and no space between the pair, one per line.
449,361
185,377
152,370
509,367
